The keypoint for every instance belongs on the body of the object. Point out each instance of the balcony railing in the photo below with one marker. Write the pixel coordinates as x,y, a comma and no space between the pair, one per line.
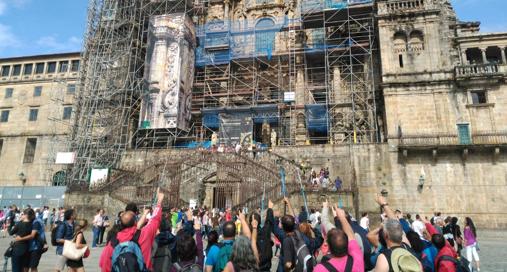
442,140
402,6
480,70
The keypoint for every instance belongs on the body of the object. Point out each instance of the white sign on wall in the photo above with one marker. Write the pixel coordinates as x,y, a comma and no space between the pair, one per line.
289,96
65,157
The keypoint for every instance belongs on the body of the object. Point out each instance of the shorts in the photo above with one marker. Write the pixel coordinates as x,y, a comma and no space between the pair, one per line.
34,258
60,262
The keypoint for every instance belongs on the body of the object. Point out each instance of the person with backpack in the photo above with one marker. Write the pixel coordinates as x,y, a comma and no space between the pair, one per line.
77,265
425,251
446,257
64,230
37,240
470,235
130,248
164,243
189,252
346,255
219,254
398,256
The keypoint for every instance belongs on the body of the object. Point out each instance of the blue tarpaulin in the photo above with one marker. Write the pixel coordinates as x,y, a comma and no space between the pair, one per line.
316,117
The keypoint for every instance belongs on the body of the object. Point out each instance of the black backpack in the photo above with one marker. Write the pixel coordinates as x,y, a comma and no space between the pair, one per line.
329,267
305,262
55,230
127,256
462,265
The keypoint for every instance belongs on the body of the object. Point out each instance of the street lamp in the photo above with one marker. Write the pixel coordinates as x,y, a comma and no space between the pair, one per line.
22,177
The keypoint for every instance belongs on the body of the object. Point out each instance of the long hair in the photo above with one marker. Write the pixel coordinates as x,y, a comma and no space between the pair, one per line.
80,226
242,254
470,224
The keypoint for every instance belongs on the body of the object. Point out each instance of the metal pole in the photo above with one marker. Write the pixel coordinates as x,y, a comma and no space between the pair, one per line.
303,194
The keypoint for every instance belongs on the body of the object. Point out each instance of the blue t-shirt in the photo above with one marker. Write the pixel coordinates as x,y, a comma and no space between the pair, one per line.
38,242
212,257
405,225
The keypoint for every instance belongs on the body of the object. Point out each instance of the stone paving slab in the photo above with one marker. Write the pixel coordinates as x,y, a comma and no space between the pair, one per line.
493,253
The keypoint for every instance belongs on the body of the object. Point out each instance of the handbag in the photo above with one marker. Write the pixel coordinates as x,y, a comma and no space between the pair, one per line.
71,252
8,252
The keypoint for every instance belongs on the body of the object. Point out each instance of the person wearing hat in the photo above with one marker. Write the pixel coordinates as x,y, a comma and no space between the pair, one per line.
398,256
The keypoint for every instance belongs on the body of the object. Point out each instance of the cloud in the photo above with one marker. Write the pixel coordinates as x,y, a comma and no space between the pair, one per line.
7,38
5,4
52,43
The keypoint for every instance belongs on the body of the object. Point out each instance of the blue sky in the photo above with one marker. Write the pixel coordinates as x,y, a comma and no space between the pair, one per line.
31,27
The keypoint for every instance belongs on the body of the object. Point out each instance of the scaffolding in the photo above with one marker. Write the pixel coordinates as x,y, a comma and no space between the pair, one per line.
308,73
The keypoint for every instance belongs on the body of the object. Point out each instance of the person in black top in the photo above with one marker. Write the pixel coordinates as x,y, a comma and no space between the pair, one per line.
20,248
78,266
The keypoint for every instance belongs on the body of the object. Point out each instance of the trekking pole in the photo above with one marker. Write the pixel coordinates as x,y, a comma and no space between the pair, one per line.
303,194
263,201
284,190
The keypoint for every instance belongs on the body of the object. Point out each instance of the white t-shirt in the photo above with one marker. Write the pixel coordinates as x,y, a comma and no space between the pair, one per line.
365,223
418,226
45,214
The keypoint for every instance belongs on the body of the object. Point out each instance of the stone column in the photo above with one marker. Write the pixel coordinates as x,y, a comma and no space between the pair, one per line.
464,59
226,10
504,58
484,57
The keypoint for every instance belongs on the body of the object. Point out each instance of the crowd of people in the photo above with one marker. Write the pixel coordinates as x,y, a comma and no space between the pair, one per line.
212,240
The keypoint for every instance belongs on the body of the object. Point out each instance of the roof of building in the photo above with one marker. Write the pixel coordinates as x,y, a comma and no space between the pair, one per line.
43,56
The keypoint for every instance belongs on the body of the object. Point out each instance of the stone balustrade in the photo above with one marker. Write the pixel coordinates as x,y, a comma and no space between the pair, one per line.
443,139
402,6
480,70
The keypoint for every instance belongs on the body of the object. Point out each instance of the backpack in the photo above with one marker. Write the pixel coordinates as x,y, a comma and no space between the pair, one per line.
348,267
223,256
193,267
462,264
162,258
405,259
55,230
127,256
304,259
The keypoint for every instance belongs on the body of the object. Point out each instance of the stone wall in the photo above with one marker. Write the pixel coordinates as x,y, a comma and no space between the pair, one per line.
474,187
87,204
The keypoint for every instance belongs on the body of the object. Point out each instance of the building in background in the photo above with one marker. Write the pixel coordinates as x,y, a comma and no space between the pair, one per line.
36,114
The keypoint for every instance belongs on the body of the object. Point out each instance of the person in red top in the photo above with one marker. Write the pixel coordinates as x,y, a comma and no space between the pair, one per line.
444,249
128,228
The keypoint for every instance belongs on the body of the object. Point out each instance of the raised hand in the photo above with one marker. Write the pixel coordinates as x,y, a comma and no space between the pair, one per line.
270,204
160,196
241,215
255,224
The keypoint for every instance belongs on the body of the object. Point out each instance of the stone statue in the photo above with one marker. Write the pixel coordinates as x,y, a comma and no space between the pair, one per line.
273,137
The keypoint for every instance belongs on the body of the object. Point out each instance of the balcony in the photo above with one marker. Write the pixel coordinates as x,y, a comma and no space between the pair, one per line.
402,6
442,140
480,71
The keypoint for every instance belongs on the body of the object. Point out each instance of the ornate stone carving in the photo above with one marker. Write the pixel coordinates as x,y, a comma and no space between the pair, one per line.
169,72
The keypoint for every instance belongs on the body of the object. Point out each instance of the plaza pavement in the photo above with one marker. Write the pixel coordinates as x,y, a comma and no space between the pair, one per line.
493,253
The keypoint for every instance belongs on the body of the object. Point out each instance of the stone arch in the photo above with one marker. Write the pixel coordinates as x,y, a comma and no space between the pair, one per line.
416,41
59,178
400,40
265,34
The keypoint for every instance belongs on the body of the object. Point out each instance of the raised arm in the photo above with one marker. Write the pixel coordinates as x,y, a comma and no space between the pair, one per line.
255,225
244,225
325,217
384,205
291,210
345,223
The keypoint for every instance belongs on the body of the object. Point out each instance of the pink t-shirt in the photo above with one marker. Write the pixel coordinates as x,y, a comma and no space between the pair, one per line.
339,263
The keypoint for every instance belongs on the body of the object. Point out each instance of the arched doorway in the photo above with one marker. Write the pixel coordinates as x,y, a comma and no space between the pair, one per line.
59,178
